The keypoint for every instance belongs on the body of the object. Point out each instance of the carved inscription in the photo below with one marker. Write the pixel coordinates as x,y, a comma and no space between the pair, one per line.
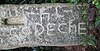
43,25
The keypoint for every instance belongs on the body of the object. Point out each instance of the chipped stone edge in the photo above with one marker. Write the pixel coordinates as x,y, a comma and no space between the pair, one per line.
32,44
45,4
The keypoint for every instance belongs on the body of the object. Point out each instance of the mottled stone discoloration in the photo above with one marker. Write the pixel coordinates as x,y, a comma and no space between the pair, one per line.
44,24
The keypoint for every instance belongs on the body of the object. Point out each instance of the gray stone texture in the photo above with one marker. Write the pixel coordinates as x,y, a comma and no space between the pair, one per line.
44,25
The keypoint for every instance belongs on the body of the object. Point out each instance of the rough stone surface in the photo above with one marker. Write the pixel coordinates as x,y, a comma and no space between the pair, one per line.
44,25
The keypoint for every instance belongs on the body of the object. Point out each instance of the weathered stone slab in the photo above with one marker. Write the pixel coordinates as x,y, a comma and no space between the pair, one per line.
44,25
